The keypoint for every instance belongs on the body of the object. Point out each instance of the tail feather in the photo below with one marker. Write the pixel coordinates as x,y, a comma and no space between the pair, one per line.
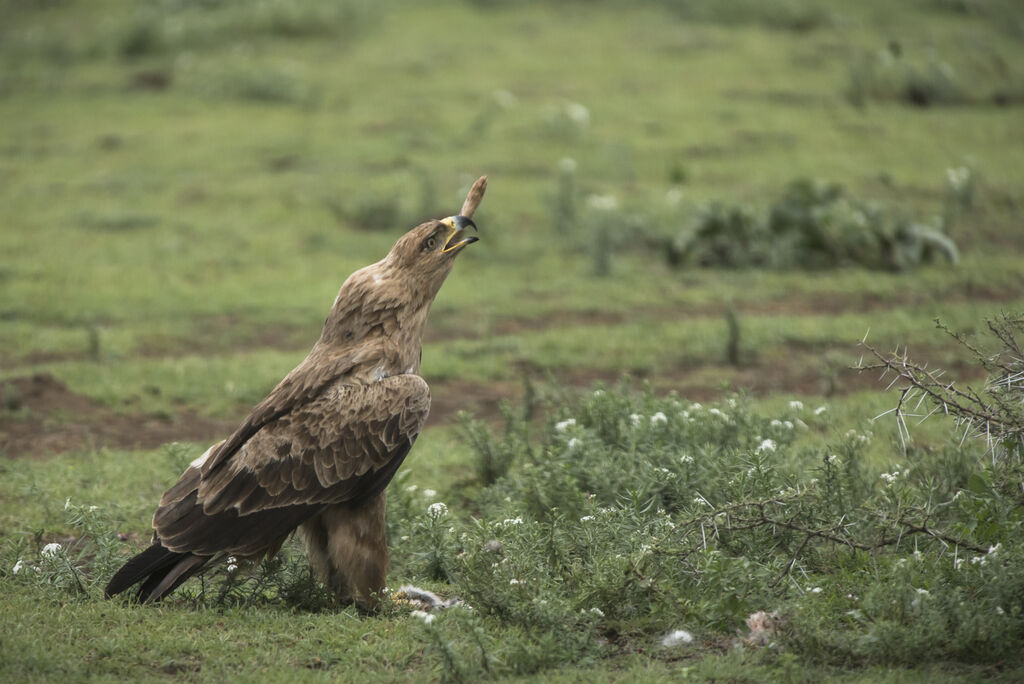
155,565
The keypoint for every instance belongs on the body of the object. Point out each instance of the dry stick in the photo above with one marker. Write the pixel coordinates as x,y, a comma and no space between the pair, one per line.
476,194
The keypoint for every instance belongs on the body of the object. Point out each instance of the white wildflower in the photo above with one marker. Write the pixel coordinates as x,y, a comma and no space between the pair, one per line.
1000,611
695,406
512,521
573,443
833,459
659,418
957,563
17,567
437,510
787,424
586,518
563,425
567,165
602,202
765,446
597,611
815,590
515,581
821,409
635,419
411,488
686,458
923,592
677,637
958,178
423,615
598,393
429,493
51,549
504,99
796,405
579,114
716,412
67,503
776,423
992,550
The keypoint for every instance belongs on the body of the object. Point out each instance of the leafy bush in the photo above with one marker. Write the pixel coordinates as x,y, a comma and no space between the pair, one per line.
637,515
886,75
812,225
892,75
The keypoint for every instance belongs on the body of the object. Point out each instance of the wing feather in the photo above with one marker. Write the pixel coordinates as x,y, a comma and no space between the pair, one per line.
344,446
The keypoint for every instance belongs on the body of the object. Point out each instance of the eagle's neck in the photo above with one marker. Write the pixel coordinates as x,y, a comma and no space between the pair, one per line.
378,320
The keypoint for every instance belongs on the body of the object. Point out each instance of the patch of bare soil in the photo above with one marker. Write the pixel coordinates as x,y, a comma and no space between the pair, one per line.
40,416
696,381
791,305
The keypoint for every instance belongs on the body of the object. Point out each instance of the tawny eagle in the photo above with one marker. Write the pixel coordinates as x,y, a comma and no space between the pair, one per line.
317,454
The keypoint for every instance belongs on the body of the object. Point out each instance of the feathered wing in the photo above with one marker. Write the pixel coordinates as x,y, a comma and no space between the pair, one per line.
344,446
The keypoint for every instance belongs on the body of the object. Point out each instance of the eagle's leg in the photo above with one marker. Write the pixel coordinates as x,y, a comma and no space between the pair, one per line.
348,550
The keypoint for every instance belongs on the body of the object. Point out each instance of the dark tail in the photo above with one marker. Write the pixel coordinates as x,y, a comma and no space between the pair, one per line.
160,570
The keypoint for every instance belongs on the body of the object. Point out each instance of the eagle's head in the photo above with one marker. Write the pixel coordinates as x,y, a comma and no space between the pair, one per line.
429,249
393,296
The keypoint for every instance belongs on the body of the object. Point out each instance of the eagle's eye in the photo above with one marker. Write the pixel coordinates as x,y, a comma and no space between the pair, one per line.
430,242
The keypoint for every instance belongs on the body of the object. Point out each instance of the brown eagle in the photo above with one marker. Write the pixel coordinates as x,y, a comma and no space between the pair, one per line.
319,451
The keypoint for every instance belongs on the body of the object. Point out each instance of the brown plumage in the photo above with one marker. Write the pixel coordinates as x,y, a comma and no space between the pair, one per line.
318,452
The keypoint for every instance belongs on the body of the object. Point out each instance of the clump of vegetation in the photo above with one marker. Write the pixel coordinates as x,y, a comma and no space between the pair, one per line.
812,225
244,77
566,121
792,15
177,26
889,74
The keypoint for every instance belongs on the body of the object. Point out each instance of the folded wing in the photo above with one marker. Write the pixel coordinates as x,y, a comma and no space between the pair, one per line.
344,446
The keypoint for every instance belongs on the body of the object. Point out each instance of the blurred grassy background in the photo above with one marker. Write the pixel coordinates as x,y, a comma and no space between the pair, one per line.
186,183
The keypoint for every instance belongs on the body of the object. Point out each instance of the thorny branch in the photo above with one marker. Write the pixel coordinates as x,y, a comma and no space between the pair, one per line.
747,515
996,413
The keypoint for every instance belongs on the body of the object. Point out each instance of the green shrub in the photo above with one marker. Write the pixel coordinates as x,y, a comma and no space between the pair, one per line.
812,225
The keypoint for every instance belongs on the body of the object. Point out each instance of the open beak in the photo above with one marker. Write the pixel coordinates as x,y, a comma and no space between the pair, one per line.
458,238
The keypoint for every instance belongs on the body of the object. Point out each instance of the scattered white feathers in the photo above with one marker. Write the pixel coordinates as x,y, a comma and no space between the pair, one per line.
677,637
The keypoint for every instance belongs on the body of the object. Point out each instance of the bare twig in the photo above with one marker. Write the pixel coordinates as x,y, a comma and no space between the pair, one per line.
476,194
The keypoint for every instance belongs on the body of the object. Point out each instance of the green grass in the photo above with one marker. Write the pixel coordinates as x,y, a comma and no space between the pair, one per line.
185,186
